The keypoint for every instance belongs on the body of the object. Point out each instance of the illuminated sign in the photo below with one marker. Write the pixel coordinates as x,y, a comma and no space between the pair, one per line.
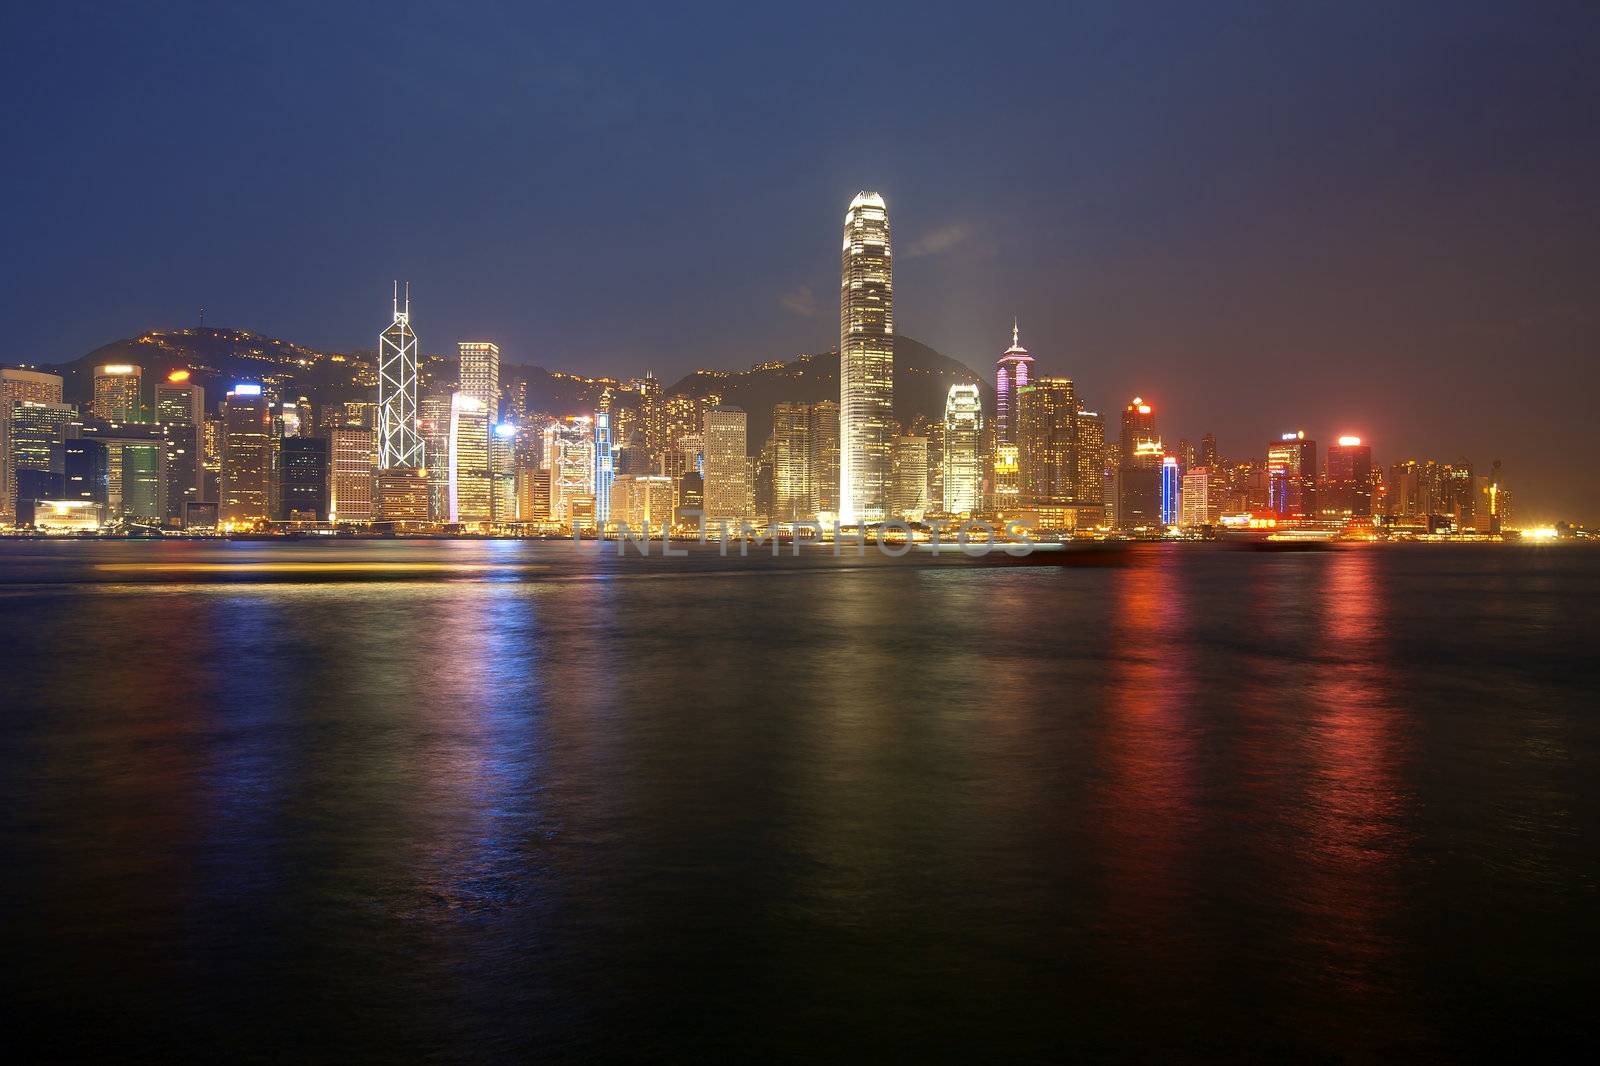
1349,442
119,370
245,388
178,377
505,429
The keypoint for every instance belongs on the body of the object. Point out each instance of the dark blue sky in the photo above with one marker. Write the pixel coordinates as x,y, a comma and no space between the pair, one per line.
1352,218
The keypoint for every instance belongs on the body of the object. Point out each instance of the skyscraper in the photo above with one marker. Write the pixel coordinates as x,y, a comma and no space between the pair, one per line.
1292,476
17,386
1171,490
1089,457
480,374
728,496
866,361
350,476
908,488
1012,372
116,393
180,400
569,451
246,456
823,476
963,422
791,463
1196,506
605,467
1043,416
1348,488
303,491
398,441
1139,468
471,489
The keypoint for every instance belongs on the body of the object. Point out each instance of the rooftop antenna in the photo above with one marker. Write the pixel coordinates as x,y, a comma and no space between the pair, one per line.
202,316
397,298
1015,343
408,299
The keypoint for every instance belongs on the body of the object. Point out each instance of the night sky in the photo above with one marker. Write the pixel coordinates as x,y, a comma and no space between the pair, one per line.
1349,218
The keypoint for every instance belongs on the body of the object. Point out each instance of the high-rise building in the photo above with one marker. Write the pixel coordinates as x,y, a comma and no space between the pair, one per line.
503,472
400,495
247,459
533,492
1347,490
792,486
728,495
350,473
399,444
569,451
480,374
1089,457
963,475
1044,414
866,361
1196,506
823,477
139,482
433,425
605,467
471,485
643,501
86,470
1012,373
180,400
303,481
184,473
117,393
19,386
1171,490
1292,476
1139,468
908,486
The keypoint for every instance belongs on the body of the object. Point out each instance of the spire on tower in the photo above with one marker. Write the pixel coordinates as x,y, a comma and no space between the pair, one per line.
397,297
1015,333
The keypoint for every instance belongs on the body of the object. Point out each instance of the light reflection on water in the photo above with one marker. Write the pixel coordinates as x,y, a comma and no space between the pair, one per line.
1214,803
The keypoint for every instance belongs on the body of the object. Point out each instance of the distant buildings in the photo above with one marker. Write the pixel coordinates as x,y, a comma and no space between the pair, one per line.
866,362
1292,476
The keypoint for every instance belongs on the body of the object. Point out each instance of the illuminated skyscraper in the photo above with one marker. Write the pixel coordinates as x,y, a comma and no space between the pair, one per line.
350,476
963,422
116,393
866,361
1171,490
1089,458
399,444
1196,507
480,374
605,467
1292,476
728,495
303,490
908,487
791,463
569,451
18,386
180,400
400,495
1348,489
471,489
1043,415
1012,372
433,425
823,476
1139,468
246,456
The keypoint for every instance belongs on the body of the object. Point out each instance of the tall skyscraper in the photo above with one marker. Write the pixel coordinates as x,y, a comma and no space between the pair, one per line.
569,451
1292,476
866,361
18,386
247,459
823,476
1044,413
480,374
963,423
1196,507
1012,372
908,484
605,467
1139,468
180,400
1089,457
471,487
303,483
399,444
728,495
350,476
1171,490
791,463
117,393
1348,488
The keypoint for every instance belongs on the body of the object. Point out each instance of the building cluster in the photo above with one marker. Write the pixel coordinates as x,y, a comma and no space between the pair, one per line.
468,456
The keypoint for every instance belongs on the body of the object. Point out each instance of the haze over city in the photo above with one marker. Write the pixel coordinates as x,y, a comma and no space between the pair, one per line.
1354,219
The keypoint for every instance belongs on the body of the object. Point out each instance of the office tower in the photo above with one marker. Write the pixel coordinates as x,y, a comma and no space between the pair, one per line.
605,468
400,495
908,480
644,501
1208,452
480,374
1003,488
1043,415
963,476
19,386
691,497
1089,458
1292,476
866,361
433,425
37,431
183,472
1347,490
503,472
86,471
728,496
303,480
211,458
350,473
1012,373
569,453
823,476
471,489
653,415
247,460
1139,468
533,492
180,400
1499,498
761,483
791,463
1196,507
116,393
139,482
399,444
1171,489
286,418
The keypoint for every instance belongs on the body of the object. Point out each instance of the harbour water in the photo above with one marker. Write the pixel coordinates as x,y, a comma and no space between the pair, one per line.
484,799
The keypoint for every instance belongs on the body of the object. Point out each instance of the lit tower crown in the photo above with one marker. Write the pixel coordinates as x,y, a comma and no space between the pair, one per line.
399,443
1012,371
866,361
